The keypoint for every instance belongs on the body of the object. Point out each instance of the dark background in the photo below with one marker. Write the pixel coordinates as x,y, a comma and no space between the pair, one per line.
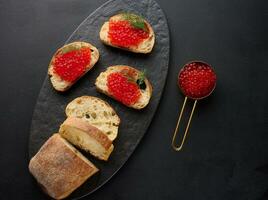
226,153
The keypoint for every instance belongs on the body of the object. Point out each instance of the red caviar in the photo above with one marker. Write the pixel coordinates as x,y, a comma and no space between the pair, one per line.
197,80
122,89
123,34
71,65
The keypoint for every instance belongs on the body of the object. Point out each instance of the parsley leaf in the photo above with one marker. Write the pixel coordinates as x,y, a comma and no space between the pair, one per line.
141,79
135,20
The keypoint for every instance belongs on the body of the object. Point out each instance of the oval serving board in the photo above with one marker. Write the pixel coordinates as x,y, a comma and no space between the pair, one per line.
49,111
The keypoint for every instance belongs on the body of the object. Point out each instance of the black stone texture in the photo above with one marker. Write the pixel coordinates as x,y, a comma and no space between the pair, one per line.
50,108
225,156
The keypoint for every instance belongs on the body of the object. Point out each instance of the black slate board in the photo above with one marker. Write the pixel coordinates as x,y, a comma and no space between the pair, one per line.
49,110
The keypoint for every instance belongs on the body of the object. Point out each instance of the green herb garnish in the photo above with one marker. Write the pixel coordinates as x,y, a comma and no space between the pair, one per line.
135,20
141,79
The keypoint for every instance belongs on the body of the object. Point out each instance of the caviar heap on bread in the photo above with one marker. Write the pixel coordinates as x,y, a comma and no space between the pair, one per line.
70,63
126,85
128,31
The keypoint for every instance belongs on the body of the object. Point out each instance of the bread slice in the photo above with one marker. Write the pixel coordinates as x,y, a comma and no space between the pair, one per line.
96,112
145,46
87,137
101,85
62,85
59,168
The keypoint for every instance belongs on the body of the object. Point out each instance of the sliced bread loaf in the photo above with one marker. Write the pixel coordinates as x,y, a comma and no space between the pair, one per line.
68,75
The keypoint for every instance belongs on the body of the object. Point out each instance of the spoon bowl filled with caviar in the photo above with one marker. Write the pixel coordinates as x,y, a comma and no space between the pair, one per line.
196,80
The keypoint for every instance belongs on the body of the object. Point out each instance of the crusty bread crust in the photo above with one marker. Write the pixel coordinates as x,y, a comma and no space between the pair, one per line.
58,83
96,112
145,46
59,168
101,85
72,129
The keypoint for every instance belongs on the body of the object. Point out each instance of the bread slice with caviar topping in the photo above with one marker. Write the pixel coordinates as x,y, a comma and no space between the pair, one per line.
59,168
70,63
96,112
138,27
125,84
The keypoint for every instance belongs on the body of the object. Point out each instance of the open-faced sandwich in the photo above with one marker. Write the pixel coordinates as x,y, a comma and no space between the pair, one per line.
128,31
70,63
125,84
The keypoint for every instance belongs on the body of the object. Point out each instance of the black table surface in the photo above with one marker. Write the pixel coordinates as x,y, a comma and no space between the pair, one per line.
226,153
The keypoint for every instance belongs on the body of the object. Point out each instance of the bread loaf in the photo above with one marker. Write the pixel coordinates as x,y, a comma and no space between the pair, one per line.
59,168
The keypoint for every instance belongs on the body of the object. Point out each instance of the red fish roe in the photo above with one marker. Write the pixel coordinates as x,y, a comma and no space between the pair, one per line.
122,34
122,89
71,65
197,80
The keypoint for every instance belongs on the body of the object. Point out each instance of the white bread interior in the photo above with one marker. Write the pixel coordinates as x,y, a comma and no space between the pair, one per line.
96,112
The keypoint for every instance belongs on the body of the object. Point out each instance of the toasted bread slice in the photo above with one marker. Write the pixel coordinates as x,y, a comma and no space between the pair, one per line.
101,84
96,112
60,84
145,46
89,138
59,168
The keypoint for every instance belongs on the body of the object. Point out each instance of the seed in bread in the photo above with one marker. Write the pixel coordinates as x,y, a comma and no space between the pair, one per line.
128,31
125,84
89,138
70,63
59,168
96,112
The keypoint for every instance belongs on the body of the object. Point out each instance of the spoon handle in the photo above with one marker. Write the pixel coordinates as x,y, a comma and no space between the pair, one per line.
179,147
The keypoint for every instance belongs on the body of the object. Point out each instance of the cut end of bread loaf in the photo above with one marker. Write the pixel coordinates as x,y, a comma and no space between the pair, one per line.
145,46
87,137
59,168
96,112
57,82
101,85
